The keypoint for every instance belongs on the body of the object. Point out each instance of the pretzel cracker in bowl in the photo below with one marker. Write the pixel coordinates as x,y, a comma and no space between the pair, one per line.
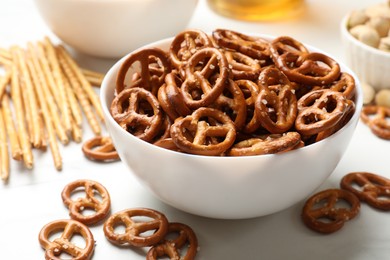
200,75
227,140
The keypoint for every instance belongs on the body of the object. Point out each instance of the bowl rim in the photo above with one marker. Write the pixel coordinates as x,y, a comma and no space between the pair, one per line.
349,36
109,119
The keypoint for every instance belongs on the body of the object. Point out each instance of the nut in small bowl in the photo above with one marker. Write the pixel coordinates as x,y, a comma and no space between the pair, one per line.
223,186
366,43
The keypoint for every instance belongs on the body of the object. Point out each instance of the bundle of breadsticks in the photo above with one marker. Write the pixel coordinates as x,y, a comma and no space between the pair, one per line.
44,97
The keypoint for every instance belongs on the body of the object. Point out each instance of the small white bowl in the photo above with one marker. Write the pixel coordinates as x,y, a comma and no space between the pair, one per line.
371,65
227,187
113,28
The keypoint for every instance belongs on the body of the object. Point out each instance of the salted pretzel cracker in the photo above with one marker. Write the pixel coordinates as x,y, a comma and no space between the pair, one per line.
163,139
287,51
266,144
63,244
288,47
170,97
167,143
174,95
243,66
345,84
153,67
185,44
254,47
376,118
127,109
276,97
372,188
164,131
135,228
232,102
165,103
351,108
100,148
320,110
200,68
250,91
322,205
184,246
302,66
193,134
316,68
93,192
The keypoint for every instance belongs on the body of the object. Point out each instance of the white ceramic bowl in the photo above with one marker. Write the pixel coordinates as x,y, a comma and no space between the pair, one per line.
227,187
113,28
371,65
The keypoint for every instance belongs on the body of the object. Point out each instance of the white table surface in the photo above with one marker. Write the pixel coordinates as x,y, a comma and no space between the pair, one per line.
31,198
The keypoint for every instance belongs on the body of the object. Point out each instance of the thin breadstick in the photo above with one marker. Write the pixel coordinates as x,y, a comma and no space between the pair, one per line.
35,81
16,152
57,75
74,105
94,78
27,113
80,94
92,73
19,111
96,82
4,81
43,131
77,133
42,69
5,57
46,116
31,106
5,61
4,153
5,53
86,86
45,64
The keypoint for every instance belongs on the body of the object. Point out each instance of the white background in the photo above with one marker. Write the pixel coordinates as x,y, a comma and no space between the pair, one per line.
32,197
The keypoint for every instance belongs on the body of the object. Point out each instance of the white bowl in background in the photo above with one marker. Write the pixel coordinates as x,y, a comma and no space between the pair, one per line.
227,187
370,64
113,28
